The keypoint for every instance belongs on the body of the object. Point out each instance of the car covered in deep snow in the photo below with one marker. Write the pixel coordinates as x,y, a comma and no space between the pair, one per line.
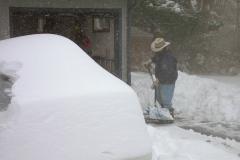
64,106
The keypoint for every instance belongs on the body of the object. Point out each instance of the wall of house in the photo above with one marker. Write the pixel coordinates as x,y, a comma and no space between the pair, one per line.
140,48
4,17
4,20
140,52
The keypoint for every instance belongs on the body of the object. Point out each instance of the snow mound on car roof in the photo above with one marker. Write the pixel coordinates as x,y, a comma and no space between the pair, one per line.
65,106
50,61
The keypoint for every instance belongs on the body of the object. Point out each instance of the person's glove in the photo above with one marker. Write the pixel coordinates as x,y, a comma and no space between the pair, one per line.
155,84
147,64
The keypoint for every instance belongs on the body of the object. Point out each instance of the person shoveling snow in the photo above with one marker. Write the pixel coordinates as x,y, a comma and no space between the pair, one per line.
163,82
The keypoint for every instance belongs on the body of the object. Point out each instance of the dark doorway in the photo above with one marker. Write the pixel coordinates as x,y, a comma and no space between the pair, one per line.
97,31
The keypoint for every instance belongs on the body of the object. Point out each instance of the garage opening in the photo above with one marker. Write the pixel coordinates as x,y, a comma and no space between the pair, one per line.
95,30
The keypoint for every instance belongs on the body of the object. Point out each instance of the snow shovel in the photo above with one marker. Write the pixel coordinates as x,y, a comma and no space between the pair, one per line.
155,114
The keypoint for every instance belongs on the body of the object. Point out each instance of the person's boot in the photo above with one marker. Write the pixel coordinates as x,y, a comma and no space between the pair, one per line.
171,111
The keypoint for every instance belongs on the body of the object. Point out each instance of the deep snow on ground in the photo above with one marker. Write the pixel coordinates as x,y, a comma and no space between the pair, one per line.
202,104
199,99
231,80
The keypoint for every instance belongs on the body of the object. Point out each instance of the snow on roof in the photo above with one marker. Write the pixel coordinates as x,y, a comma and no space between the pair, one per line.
65,106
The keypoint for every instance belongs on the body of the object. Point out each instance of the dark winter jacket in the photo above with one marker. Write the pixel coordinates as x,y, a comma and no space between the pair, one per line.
165,67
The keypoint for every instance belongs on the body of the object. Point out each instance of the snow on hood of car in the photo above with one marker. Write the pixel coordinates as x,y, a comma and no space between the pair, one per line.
49,61
65,106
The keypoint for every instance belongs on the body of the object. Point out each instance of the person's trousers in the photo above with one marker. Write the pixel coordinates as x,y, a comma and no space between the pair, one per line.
164,95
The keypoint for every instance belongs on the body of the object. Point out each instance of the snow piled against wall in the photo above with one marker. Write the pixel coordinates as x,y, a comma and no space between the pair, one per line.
199,99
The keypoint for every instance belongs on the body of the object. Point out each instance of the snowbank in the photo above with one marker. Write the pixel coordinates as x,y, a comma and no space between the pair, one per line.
198,99
65,106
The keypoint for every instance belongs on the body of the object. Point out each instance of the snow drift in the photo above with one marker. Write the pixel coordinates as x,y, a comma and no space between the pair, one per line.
196,98
205,99
66,107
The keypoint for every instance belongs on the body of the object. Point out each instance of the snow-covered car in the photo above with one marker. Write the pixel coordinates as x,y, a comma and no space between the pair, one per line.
64,106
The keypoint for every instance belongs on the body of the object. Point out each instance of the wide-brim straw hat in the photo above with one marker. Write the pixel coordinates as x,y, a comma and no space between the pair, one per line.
159,44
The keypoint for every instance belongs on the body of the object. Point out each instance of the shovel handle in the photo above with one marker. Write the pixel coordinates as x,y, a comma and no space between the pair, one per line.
155,88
